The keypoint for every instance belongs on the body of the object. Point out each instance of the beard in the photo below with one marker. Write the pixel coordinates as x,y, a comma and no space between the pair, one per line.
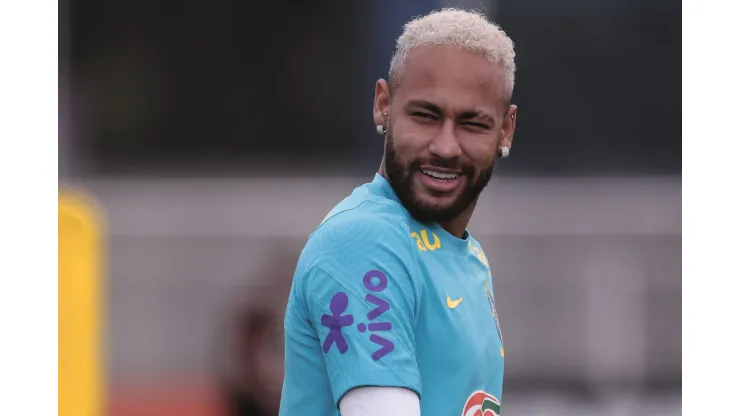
400,177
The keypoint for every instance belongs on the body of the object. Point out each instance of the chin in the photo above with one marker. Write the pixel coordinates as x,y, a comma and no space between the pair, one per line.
428,208
436,201
436,204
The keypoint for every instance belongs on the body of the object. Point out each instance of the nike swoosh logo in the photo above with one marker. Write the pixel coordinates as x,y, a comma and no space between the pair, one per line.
452,304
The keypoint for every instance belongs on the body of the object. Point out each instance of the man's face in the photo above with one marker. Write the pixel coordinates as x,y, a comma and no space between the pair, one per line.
448,117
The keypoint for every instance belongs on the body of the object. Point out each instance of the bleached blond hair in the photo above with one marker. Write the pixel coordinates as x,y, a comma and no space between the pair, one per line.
453,27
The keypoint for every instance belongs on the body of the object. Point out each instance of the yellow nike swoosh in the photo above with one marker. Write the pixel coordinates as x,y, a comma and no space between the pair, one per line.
452,304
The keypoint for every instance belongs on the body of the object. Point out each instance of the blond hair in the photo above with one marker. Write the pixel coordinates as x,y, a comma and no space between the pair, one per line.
452,27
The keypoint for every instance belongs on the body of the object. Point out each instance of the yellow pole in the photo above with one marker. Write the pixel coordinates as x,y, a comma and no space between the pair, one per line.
81,381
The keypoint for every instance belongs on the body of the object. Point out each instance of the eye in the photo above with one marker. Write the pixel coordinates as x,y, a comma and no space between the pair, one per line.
479,126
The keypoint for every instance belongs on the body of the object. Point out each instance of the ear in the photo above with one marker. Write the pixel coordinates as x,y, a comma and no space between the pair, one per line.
507,128
382,103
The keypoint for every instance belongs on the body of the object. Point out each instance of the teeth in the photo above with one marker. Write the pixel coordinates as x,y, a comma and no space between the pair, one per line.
439,175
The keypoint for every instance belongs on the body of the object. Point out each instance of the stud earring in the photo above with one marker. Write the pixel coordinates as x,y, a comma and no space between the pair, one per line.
503,152
380,129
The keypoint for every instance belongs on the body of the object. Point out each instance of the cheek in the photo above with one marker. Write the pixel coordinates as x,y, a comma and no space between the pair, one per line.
411,138
480,153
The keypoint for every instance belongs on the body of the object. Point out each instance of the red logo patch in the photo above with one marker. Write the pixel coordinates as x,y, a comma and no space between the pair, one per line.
481,403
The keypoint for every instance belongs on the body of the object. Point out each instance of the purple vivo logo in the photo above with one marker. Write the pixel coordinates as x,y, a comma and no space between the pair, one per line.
335,322
374,281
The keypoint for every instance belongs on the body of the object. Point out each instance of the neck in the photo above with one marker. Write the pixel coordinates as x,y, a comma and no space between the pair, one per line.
459,224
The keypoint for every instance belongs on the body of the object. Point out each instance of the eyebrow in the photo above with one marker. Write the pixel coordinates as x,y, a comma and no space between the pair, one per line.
434,108
465,115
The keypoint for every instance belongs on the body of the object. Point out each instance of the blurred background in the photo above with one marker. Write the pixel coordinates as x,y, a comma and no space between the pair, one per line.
217,134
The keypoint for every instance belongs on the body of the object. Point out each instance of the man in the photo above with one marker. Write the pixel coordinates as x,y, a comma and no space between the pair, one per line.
391,311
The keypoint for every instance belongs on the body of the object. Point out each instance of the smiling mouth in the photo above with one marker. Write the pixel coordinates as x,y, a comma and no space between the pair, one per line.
440,181
440,176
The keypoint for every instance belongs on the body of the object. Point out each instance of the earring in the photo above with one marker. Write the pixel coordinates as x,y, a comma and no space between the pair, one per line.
503,152
380,129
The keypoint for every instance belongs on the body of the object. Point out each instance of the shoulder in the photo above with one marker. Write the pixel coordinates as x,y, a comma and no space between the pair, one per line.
370,237
369,224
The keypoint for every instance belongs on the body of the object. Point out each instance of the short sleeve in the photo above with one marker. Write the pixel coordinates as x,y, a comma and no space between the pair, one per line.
361,297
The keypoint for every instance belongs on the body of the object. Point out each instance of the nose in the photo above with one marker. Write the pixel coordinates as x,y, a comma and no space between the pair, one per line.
445,144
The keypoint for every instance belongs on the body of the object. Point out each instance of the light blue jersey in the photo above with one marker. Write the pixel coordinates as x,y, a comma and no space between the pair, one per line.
379,299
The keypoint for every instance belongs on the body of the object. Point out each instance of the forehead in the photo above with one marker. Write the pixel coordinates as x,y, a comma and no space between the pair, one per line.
452,77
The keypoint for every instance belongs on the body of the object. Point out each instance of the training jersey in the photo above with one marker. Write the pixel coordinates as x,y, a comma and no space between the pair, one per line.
380,299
